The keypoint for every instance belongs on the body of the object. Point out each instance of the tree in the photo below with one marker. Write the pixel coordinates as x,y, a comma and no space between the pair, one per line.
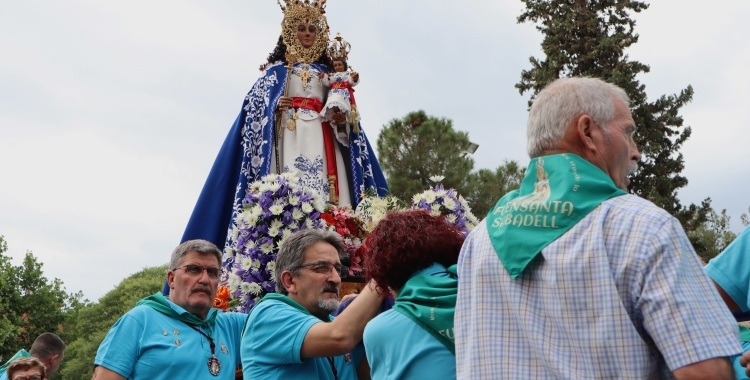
712,236
485,187
588,38
414,148
29,303
94,320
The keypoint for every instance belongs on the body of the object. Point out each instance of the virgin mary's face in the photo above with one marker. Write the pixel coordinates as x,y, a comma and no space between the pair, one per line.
306,34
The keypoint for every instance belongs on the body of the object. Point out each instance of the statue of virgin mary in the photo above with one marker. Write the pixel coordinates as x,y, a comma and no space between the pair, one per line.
279,129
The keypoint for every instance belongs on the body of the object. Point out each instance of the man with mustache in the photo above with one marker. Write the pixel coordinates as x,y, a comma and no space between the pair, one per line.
182,337
291,334
583,280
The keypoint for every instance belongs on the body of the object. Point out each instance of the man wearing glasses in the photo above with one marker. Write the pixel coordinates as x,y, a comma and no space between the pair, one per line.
182,337
291,334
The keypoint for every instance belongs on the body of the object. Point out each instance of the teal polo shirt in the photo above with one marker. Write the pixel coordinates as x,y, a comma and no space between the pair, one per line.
398,348
146,344
272,345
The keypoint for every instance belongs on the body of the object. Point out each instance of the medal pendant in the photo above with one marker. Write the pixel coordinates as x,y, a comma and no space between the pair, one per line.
214,366
291,124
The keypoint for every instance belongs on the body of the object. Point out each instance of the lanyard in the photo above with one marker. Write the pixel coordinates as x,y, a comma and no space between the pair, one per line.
214,366
333,368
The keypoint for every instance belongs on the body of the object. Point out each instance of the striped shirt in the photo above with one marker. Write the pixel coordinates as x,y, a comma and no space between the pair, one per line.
621,295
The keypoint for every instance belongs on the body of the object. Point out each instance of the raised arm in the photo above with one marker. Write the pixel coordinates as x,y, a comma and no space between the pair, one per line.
343,333
101,373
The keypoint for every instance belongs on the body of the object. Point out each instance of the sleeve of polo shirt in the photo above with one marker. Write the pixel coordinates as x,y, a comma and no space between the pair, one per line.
681,310
120,349
274,334
731,271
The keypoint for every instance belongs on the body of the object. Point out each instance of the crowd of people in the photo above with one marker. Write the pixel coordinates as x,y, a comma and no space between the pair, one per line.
568,277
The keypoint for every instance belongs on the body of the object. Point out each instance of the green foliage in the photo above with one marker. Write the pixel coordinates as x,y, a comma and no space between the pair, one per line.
30,304
414,148
712,236
588,38
94,320
485,187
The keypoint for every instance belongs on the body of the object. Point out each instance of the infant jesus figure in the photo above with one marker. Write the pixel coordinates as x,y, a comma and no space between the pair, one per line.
341,99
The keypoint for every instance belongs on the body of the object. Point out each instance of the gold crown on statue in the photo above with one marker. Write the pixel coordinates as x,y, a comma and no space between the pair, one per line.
304,12
339,48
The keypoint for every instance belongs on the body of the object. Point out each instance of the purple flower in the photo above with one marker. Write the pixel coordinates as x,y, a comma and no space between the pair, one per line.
287,219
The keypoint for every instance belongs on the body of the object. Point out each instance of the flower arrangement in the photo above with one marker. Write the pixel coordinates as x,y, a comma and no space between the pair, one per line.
439,201
343,221
274,208
371,209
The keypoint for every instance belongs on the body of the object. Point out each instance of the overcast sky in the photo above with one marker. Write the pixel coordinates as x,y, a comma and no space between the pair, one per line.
111,113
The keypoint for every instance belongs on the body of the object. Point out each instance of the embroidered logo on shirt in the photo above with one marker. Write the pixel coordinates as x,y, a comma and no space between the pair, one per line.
224,348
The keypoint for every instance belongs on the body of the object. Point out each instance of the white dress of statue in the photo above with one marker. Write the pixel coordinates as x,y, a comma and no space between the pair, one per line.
303,149
340,97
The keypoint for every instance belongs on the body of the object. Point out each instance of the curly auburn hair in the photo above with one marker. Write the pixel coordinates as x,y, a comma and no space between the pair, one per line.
407,241
279,55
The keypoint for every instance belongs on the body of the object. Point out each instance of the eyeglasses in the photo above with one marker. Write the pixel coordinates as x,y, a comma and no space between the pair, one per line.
197,270
32,377
324,267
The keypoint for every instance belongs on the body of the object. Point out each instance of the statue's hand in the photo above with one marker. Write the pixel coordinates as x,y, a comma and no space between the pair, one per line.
338,116
355,77
284,104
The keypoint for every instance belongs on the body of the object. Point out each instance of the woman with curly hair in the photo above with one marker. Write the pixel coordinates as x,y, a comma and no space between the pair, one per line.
414,255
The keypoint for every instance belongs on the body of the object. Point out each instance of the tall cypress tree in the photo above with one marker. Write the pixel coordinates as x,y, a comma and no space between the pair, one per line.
589,38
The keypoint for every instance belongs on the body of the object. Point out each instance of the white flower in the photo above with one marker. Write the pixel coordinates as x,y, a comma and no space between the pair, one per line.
233,282
254,185
274,186
276,209
273,232
293,200
246,263
276,224
429,196
319,204
449,203
269,178
441,193
253,288
416,198
264,187
267,248
307,207
451,218
309,223
436,178
249,244
463,202
271,265
297,214
256,264
435,210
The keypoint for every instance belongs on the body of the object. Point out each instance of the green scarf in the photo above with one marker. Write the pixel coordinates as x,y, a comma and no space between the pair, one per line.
285,299
430,302
556,193
18,355
744,333
161,304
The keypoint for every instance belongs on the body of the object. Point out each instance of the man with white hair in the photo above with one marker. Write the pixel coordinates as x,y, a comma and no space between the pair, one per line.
571,277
